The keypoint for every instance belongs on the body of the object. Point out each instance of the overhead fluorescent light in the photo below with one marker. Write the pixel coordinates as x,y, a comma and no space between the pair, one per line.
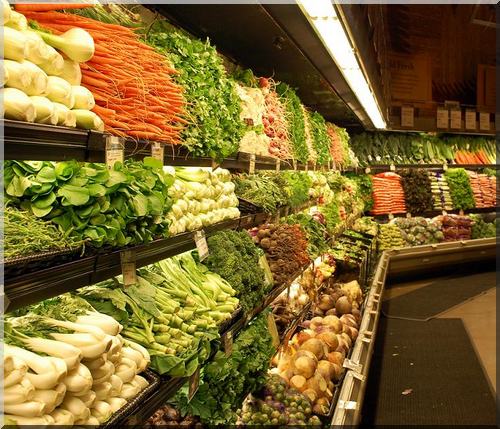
324,19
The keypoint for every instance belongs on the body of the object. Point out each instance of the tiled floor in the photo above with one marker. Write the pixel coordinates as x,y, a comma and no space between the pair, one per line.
479,317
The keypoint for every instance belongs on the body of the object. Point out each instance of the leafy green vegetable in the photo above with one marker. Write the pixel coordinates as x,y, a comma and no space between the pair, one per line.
460,189
297,187
483,229
321,141
234,256
364,189
225,381
417,188
315,232
213,106
261,189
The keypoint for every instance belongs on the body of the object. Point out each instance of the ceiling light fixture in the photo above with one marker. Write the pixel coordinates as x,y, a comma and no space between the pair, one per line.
324,19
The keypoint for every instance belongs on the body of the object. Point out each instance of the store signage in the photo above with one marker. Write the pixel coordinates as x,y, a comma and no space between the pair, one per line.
114,151
407,116
251,164
227,342
484,121
368,170
392,167
278,165
201,244
456,119
470,119
442,118
411,77
273,330
127,260
157,151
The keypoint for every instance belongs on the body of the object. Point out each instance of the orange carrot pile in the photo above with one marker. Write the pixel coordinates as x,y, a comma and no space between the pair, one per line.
46,7
388,194
335,146
467,157
131,83
484,189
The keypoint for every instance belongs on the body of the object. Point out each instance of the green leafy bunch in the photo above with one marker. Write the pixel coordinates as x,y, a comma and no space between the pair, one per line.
234,256
417,189
296,119
315,232
460,188
213,106
364,189
321,140
298,184
264,190
227,380
115,207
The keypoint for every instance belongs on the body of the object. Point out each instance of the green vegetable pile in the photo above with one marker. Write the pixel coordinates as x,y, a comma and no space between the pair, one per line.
418,230
125,205
213,106
460,189
173,310
321,140
364,190
390,237
417,188
315,232
25,235
261,189
234,256
297,187
367,225
483,229
226,381
296,122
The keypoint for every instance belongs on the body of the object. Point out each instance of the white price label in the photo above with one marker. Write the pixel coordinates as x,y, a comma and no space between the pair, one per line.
251,164
127,260
114,150
157,151
484,121
194,383
407,116
470,119
456,119
408,215
445,167
359,376
227,342
461,212
444,213
307,166
278,165
392,167
391,216
368,170
442,118
201,244
356,367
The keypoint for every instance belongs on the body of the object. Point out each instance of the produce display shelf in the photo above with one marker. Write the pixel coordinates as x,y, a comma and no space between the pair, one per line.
40,142
438,212
348,409
386,167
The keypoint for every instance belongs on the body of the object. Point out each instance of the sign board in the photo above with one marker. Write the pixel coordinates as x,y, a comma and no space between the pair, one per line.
114,150
407,116
484,121
201,244
456,119
411,77
470,119
442,118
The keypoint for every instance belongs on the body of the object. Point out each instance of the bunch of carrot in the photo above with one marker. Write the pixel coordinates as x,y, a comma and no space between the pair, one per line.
467,157
484,189
335,146
388,194
131,83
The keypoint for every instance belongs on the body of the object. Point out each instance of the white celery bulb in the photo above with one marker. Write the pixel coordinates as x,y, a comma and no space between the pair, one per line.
71,72
76,43
14,44
45,114
17,105
59,91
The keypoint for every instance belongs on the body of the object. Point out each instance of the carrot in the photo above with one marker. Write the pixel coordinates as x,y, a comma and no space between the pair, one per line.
143,135
102,111
22,7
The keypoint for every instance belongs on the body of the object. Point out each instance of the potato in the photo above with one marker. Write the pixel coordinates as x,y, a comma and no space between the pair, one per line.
343,306
316,322
325,369
315,346
298,382
326,302
330,340
336,358
304,366
334,323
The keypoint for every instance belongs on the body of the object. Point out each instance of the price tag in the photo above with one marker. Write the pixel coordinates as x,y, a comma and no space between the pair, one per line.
114,150
194,383
456,119
445,167
444,213
227,342
484,121
461,212
470,119
314,167
307,167
392,167
127,260
273,330
201,244
294,162
251,164
442,118
347,405
408,215
359,376
368,170
391,216
157,151
278,165
407,116
215,165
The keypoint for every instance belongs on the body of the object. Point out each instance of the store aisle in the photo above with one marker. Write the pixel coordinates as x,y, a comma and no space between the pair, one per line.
442,371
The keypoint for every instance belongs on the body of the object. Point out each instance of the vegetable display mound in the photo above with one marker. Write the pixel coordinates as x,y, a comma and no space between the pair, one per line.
315,232
418,230
339,145
132,84
234,256
390,237
125,205
261,189
388,194
440,191
298,185
367,225
417,189
484,189
295,117
213,106
285,247
483,229
321,140
226,381
364,189
460,189
455,227
26,235
173,310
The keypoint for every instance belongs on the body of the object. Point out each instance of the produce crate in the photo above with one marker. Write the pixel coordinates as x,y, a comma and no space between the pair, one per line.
246,207
25,264
119,418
